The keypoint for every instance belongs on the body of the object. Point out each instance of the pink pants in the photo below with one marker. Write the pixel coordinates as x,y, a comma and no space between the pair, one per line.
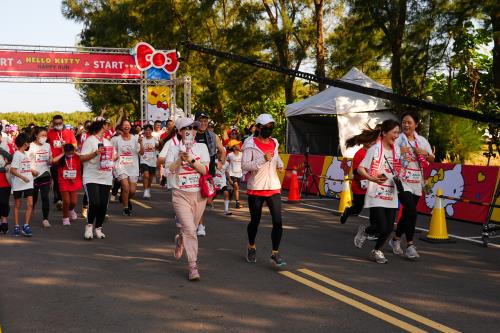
189,207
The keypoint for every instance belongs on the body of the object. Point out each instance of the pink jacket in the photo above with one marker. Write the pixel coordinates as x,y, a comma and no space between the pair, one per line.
263,175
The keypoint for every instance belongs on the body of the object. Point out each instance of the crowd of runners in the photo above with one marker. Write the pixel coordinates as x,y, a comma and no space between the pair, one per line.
185,156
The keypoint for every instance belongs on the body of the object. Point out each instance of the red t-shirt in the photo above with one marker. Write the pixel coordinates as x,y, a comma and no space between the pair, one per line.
356,161
109,134
58,139
3,180
70,176
265,147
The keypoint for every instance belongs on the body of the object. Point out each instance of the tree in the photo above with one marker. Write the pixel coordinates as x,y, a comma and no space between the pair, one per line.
320,41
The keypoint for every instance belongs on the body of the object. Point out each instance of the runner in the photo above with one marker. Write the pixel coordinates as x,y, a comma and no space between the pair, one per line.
220,181
97,158
216,151
187,162
40,155
5,187
22,184
148,160
381,195
172,140
128,147
261,159
158,131
57,137
84,134
416,154
234,170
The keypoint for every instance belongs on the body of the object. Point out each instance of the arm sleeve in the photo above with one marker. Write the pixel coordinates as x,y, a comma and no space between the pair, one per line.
367,161
248,163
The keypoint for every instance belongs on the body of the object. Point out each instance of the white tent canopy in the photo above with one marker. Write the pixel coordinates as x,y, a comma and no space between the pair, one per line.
355,110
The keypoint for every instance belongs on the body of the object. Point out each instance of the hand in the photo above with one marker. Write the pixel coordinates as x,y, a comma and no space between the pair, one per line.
184,156
405,150
35,173
25,179
140,139
219,165
380,179
268,156
421,151
99,151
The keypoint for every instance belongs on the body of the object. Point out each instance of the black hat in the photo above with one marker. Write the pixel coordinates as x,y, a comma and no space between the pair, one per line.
200,114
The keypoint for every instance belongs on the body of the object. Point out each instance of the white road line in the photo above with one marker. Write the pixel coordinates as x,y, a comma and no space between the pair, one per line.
421,229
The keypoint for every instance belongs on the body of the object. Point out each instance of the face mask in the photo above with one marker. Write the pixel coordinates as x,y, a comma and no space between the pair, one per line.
42,140
59,127
266,132
256,133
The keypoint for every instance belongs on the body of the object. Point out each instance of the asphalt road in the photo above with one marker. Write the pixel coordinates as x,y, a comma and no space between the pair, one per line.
130,282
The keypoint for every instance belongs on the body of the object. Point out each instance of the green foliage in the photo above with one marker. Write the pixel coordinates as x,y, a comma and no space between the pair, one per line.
23,119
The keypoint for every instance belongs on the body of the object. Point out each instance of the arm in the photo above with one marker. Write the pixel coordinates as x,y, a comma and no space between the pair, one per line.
141,146
221,151
248,163
6,155
14,172
57,158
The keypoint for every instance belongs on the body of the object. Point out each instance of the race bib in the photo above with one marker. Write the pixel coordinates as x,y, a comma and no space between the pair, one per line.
189,180
25,166
58,143
149,154
42,157
412,176
364,184
106,159
219,183
385,192
126,159
69,174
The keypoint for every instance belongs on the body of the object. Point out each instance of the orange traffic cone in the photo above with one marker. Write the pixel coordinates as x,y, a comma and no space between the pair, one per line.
438,232
345,196
293,191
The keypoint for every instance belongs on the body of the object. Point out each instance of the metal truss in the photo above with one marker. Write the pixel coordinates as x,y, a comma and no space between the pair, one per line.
64,49
10,79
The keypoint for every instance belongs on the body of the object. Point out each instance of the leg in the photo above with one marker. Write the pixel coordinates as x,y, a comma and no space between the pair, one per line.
146,181
35,194
103,196
274,204
29,210
44,192
4,203
408,215
72,200
93,194
17,207
185,212
410,231
116,187
236,190
85,201
65,198
55,188
358,203
125,192
131,189
151,175
385,224
255,206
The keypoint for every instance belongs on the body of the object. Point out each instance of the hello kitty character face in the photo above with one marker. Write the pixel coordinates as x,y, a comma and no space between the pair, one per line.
333,185
451,182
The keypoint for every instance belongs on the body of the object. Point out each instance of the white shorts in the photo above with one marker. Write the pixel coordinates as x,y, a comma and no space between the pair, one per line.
131,179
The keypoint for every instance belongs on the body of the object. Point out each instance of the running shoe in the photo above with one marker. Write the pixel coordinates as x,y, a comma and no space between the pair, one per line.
112,198
99,234
73,215
238,206
46,223
372,237
147,194
360,237
194,275
277,261
201,231
4,227
345,215
59,205
227,213
411,252
27,231
85,212
66,222
126,212
179,247
378,257
251,255
17,231
395,245
88,235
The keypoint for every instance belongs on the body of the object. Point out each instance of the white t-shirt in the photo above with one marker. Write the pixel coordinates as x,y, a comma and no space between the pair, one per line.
187,178
412,173
386,194
128,155
99,169
220,176
149,156
235,165
22,163
40,157
157,135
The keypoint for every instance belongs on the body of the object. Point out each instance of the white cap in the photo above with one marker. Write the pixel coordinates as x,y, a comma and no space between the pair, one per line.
183,122
264,119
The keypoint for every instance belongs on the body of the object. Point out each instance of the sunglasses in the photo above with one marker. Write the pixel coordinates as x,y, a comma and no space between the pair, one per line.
187,128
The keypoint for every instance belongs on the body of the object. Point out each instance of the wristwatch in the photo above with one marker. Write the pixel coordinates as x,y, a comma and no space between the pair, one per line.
193,161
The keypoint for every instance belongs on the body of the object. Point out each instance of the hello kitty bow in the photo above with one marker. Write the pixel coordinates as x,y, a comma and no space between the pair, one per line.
437,177
146,57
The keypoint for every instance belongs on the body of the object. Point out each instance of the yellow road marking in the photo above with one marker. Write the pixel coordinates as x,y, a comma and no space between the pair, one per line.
378,301
358,305
138,203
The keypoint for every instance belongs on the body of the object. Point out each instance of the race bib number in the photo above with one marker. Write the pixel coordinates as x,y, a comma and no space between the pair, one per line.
42,157
412,176
364,184
149,154
106,159
385,192
69,174
219,183
58,143
126,159
25,166
189,180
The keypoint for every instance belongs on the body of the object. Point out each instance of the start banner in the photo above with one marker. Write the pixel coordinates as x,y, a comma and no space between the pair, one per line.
68,65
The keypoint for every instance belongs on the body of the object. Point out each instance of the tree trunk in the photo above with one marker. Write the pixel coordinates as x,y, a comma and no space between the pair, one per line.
320,41
495,22
289,96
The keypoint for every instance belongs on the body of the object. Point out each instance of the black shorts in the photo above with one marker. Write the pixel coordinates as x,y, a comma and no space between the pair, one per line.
222,190
236,179
145,167
23,193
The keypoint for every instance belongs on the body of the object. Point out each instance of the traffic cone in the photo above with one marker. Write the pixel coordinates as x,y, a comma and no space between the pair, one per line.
438,232
293,191
345,196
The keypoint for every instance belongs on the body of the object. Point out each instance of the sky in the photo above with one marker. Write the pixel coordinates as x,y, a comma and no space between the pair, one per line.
38,22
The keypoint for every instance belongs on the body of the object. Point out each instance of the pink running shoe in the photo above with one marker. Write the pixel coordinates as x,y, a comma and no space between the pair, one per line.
73,215
194,275
66,221
179,247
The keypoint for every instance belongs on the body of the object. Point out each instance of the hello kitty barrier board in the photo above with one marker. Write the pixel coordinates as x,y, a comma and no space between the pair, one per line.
476,183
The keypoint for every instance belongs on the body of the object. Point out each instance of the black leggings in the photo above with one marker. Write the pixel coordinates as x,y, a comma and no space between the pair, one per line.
358,201
85,202
408,220
44,191
4,201
98,195
55,188
383,224
255,205
116,187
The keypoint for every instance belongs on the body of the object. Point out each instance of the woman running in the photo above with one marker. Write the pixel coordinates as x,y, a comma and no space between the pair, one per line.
381,196
148,160
97,157
188,161
5,187
128,147
416,154
41,160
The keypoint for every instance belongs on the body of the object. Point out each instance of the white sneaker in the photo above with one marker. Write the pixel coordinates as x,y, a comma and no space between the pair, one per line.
396,247
411,252
66,221
99,234
88,232
378,257
46,223
147,194
73,215
201,230
360,237
84,212
112,198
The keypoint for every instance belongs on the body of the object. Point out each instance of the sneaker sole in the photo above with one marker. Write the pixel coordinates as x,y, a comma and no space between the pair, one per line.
194,279
26,235
277,265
